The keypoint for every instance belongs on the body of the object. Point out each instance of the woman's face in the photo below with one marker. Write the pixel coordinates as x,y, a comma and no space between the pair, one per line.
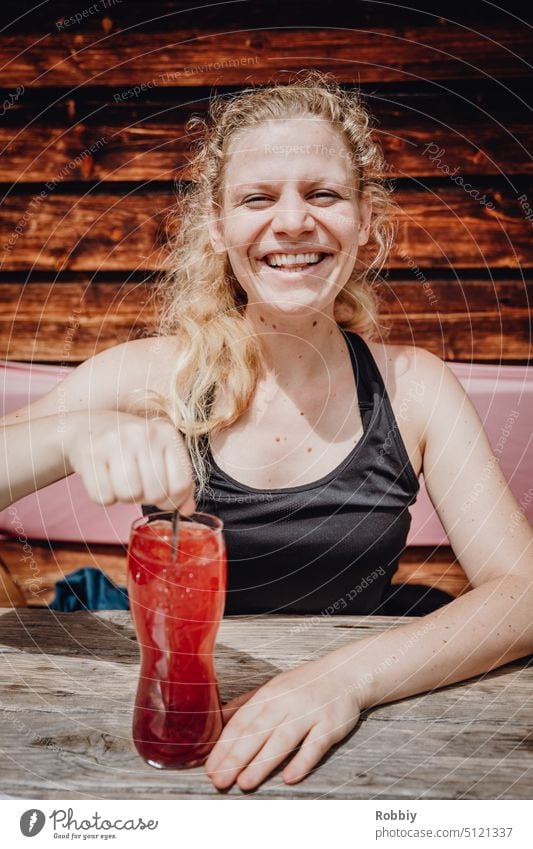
291,219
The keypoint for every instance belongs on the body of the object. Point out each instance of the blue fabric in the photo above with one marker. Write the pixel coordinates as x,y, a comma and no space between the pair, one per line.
89,589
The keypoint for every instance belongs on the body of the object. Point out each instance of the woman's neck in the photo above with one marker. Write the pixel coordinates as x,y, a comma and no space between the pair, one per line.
296,349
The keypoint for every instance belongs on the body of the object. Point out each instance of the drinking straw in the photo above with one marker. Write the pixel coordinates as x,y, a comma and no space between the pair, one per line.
175,529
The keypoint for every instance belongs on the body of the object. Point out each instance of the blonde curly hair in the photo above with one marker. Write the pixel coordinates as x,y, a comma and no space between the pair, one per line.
201,301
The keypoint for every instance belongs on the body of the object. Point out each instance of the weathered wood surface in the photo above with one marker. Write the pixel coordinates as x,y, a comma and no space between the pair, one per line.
459,320
11,594
442,227
205,13
33,578
432,566
185,57
31,581
86,139
67,685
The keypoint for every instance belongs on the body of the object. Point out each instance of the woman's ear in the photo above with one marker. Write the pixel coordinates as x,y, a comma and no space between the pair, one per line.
215,231
365,214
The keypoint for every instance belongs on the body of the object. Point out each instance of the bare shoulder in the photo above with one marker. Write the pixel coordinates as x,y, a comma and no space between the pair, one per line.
109,380
113,375
399,363
419,385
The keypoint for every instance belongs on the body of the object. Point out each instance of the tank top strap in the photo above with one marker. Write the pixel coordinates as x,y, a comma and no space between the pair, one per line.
367,376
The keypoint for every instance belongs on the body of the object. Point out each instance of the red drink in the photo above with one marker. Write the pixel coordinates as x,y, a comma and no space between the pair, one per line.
176,604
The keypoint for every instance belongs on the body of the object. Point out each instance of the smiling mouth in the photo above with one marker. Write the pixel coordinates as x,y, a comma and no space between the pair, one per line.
294,268
294,262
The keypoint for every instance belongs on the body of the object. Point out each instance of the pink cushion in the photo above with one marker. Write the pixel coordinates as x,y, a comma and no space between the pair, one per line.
61,511
502,395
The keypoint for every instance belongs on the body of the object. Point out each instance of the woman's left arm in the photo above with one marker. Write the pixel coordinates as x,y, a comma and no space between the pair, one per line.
492,623
316,705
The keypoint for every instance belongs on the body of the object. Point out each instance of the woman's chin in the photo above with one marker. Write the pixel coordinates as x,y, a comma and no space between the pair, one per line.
292,308
299,298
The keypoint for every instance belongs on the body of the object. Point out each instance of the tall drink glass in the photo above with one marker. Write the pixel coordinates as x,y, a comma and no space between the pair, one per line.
176,603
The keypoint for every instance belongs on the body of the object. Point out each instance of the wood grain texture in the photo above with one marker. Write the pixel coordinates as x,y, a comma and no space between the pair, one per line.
432,567
34,577
31,581
69,321
441,227
88,138
185,57
11,595
206,14
67,683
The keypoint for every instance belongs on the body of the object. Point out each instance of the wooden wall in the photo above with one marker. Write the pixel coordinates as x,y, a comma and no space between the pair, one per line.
91,165
93,104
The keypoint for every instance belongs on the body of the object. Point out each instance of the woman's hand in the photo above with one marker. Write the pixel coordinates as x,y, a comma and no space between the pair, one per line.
312,706
123,457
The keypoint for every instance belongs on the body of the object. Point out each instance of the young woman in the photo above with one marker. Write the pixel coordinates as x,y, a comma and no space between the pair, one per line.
279,413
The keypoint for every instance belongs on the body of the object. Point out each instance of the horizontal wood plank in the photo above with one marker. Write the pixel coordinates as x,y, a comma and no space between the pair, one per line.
31,581
70,322
473,320
432,567
34,577
442,226
186,57
113,15
422,136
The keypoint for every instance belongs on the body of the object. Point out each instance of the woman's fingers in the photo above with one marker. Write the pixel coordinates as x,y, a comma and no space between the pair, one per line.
279,745
123,457
125,478
235,748
314,747
312,750
97,481
153,472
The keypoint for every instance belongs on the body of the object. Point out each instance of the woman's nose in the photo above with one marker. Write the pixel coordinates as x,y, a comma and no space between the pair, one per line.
292,217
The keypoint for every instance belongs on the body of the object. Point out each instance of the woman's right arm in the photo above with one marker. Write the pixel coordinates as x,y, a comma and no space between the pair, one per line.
82,426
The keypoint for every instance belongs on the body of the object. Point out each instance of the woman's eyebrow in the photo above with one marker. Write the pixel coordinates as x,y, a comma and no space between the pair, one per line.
261,185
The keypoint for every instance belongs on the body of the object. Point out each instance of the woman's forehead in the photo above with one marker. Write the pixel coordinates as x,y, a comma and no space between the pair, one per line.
298,149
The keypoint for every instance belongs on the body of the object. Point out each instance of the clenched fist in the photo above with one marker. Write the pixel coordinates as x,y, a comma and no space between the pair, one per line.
123,457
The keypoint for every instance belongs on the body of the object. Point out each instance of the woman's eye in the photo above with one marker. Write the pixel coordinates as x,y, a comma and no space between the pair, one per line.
325,195
255,200
260,201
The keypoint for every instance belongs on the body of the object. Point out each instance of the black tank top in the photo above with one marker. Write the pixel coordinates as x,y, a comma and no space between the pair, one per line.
327,547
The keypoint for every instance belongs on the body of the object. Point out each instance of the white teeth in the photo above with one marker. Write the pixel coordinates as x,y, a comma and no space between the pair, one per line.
292,259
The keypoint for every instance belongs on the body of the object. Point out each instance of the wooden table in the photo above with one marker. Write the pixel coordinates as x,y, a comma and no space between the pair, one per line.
67,683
